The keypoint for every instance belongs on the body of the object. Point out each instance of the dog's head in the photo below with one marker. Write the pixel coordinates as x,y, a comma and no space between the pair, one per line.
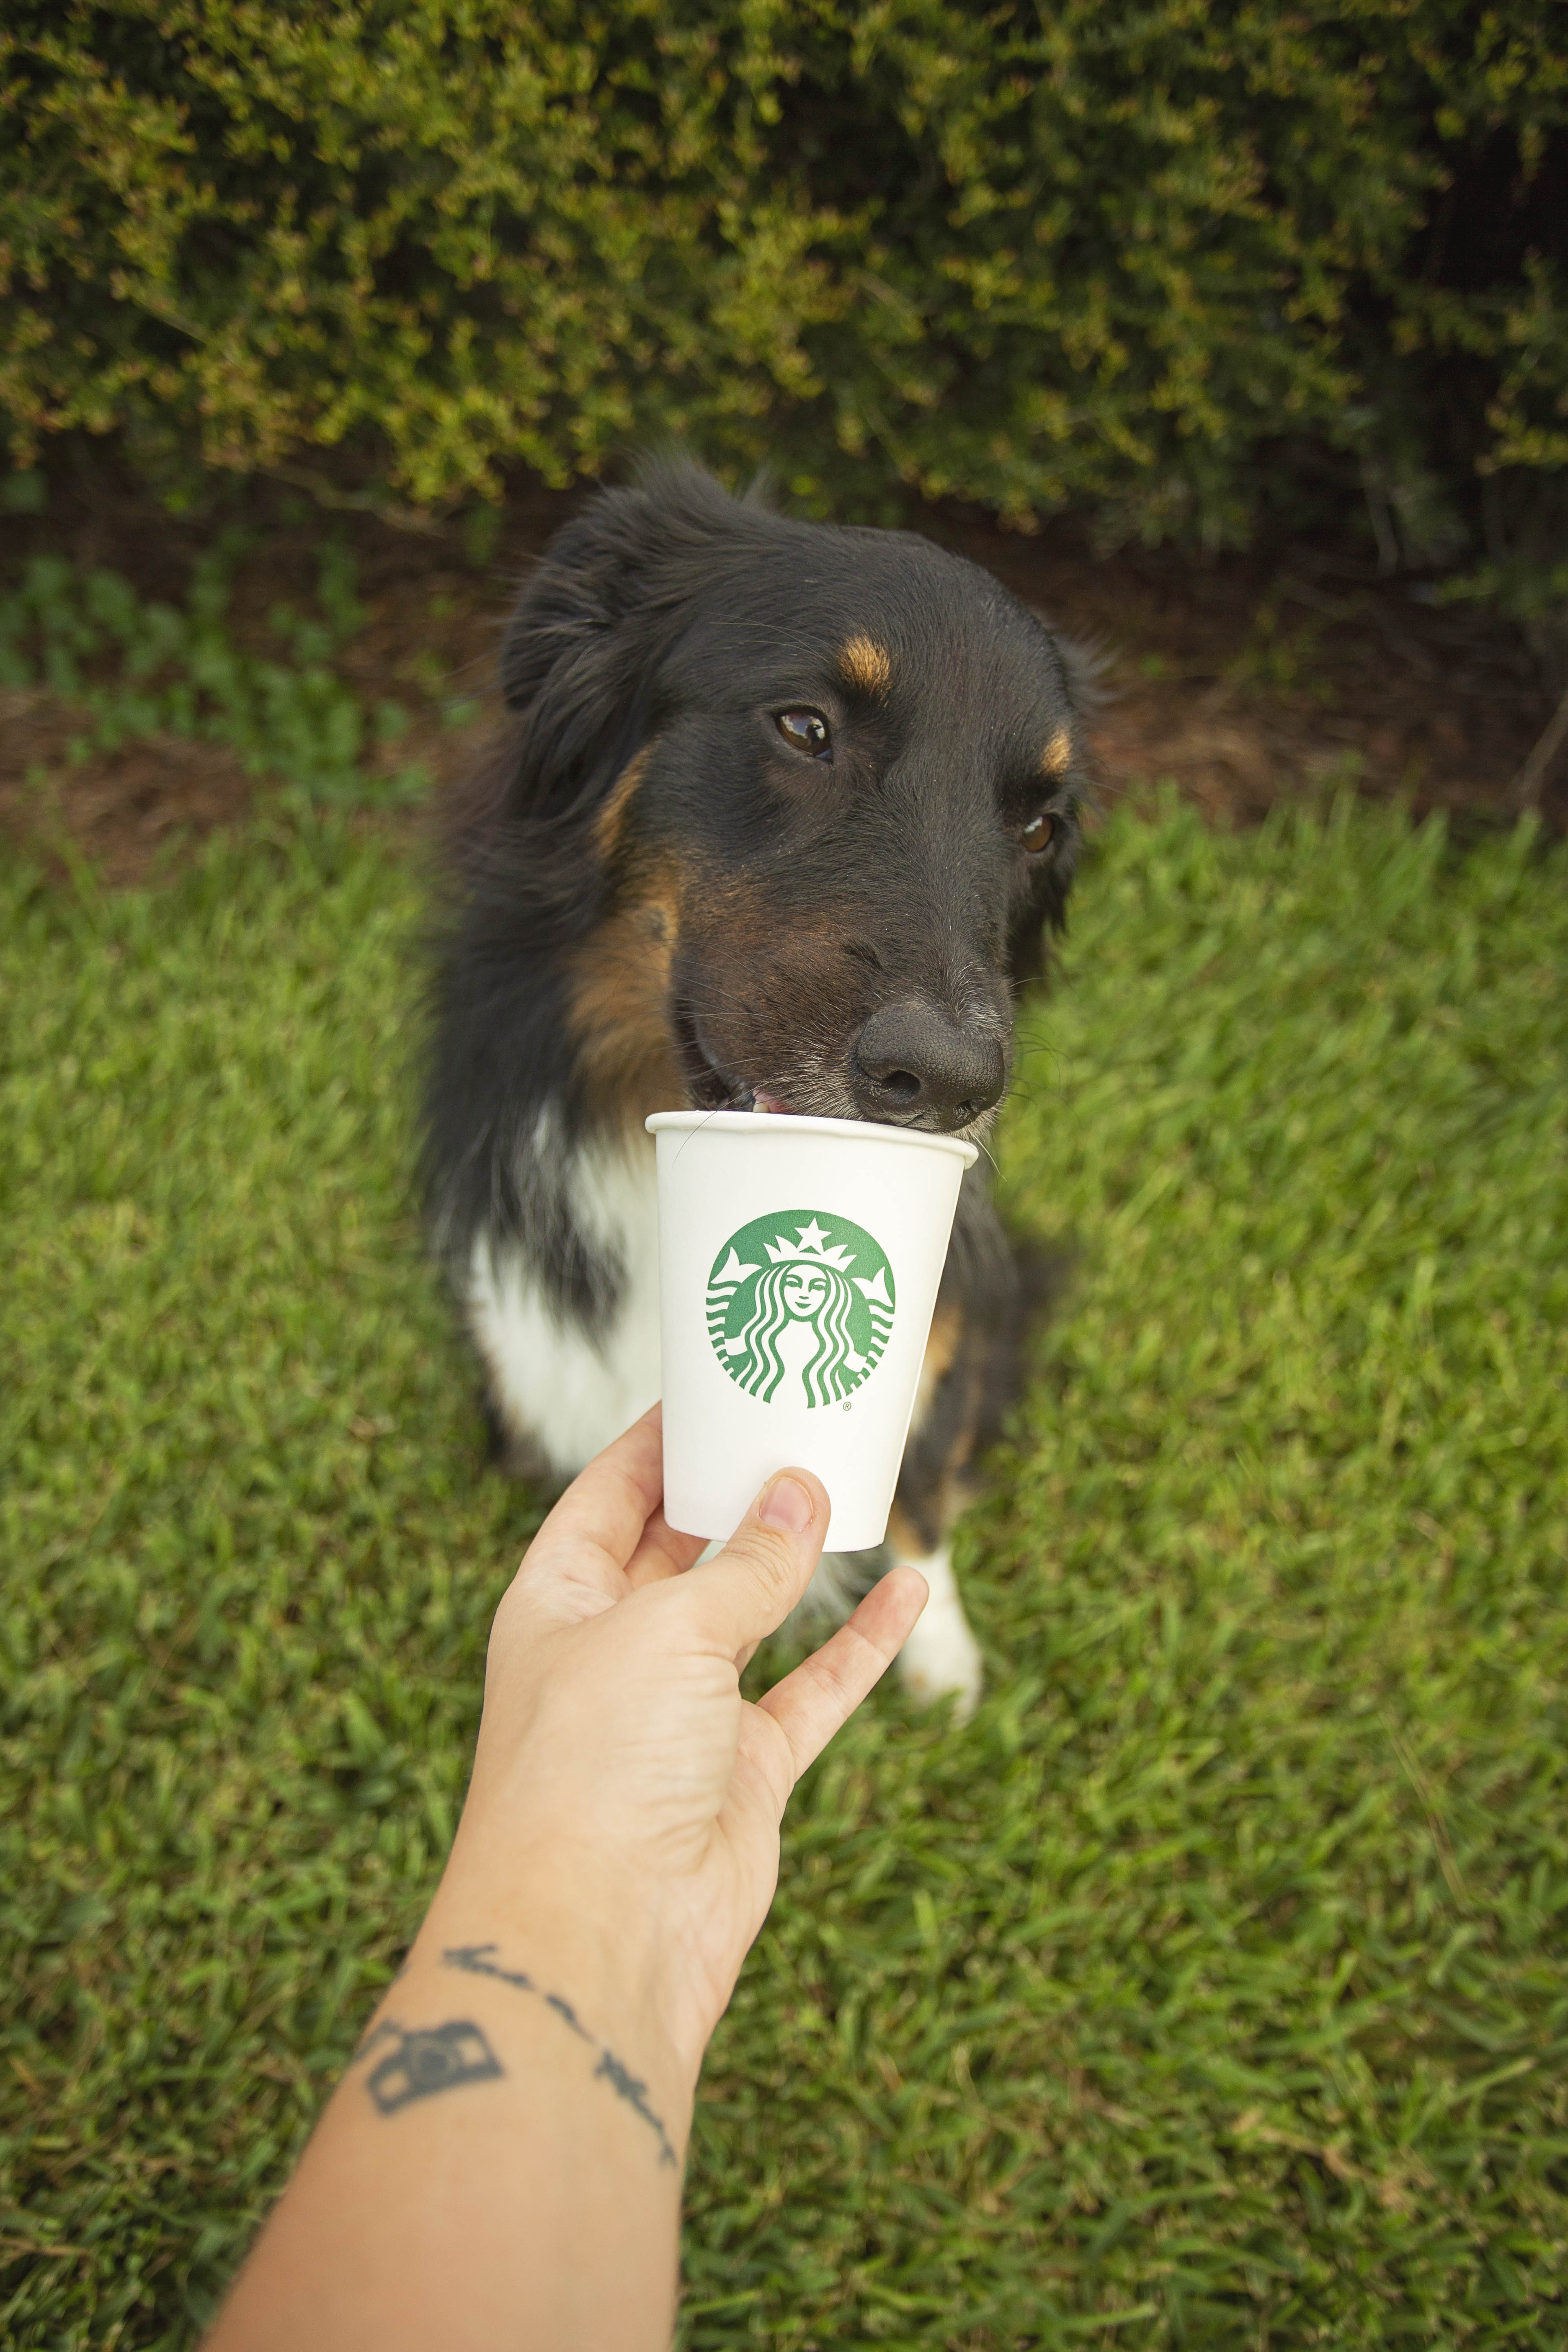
826,782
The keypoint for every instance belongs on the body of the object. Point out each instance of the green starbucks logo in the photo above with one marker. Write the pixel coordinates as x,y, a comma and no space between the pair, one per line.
795,1297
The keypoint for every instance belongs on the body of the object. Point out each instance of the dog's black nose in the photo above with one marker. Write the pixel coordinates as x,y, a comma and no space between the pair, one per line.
913,1064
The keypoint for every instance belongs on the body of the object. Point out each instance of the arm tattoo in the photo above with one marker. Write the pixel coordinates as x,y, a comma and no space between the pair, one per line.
426,2059
476,1960
564,2008
625,2085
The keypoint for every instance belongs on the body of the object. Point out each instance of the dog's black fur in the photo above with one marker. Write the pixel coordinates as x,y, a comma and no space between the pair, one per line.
783,816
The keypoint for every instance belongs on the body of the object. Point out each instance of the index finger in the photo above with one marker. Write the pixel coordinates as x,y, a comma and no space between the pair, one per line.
663,1552
598,1523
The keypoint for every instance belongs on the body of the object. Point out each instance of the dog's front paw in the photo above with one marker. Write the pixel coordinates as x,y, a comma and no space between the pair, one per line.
942,1657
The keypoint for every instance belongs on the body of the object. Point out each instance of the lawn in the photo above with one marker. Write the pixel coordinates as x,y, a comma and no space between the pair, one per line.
1209,1989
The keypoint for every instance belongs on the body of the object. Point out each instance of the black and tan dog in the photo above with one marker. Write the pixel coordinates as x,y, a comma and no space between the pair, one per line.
783,816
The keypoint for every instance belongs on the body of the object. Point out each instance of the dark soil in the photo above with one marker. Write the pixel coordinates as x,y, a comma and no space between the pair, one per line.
1257,679
1242,682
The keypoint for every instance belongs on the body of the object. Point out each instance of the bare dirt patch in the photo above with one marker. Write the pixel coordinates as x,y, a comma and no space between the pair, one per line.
1242,683
120,809
1252,680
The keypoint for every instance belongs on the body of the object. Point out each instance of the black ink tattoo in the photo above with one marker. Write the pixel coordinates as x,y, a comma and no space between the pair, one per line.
367,2042
564,2009
625,2085
426,2059
476,1960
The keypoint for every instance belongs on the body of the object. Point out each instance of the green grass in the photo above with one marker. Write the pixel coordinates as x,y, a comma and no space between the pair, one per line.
1208,1990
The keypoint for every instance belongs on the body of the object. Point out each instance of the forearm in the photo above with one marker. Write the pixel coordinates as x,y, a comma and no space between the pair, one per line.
501,2165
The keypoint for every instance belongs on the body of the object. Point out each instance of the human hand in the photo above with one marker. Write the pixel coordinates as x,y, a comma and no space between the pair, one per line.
622,1785
509,2173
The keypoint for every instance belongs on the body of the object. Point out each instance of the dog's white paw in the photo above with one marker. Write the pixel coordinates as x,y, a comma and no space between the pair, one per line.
942,1657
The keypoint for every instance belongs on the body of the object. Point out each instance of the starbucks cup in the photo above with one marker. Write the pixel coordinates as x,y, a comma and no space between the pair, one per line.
798,1264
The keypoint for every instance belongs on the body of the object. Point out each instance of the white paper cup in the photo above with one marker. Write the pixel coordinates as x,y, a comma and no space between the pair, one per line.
798,1264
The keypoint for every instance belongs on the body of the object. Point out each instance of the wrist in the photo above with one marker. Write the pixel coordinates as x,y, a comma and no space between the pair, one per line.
601,1962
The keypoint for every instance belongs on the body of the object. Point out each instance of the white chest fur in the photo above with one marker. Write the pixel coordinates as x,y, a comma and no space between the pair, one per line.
568,1389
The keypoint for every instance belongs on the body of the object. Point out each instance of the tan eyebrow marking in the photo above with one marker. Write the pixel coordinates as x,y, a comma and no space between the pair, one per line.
607,824
867,665
1057,753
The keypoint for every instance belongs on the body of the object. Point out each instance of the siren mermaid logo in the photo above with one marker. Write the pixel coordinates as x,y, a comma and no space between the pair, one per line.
795,1297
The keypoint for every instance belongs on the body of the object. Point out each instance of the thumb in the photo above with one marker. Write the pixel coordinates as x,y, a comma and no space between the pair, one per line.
751,1587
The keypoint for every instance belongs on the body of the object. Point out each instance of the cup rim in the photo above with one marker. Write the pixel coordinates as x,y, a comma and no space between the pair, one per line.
749,1122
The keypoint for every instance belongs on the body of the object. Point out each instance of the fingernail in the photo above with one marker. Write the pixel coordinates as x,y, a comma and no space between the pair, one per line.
788,1504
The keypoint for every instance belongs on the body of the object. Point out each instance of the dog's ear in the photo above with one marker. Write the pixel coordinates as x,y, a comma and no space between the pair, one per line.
581,655
1084,664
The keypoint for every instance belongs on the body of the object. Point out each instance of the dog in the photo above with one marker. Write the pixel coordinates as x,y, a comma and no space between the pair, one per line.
780,819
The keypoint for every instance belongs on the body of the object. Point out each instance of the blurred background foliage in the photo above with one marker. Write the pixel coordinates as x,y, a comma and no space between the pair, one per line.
1195,270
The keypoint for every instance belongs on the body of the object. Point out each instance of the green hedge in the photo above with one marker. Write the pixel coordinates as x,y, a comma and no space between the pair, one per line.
1167,260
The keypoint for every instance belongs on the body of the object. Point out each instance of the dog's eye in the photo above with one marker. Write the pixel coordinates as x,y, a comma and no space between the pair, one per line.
1038,833
807,730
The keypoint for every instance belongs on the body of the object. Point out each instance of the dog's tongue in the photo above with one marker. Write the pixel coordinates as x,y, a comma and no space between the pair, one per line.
763,1101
